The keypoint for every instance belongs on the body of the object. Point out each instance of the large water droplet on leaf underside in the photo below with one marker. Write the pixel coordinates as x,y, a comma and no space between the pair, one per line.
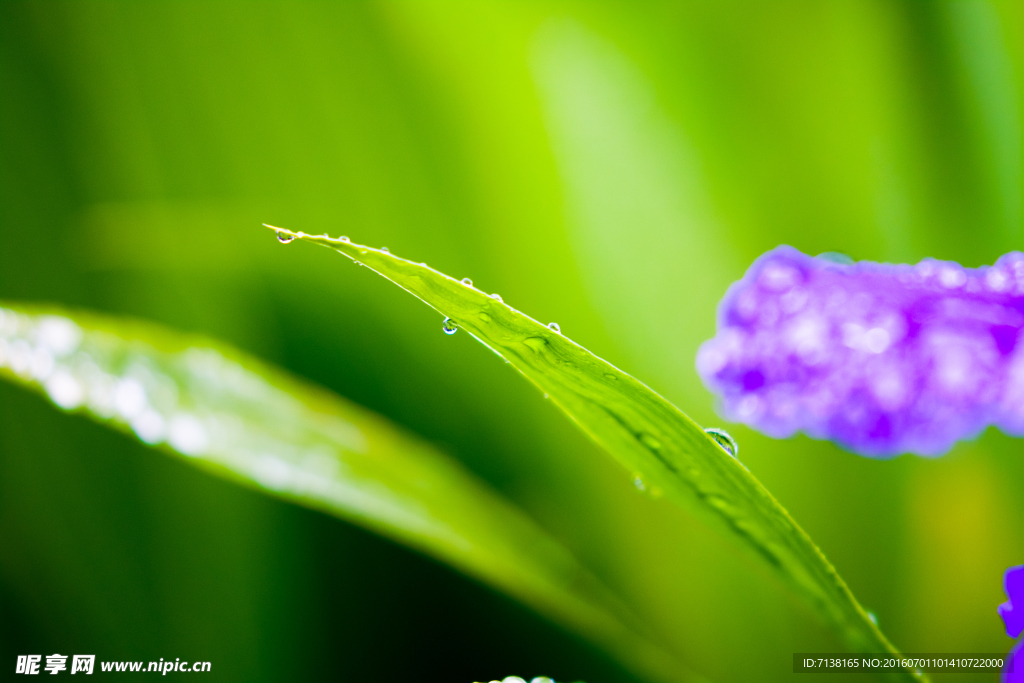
724,439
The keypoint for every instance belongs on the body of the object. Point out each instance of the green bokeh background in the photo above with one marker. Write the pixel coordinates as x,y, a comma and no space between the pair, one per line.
611,166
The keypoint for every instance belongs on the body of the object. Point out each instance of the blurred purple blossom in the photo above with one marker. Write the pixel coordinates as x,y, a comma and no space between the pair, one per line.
881,358
1012,612
1016,656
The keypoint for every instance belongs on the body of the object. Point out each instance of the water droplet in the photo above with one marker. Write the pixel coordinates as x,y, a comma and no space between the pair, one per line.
873,617
19,355
129,398
285,238
614,378
42,363
725,440
545,396
555,328
536,343
639,483
483,316
449,326
496,296
188,435
650,442
719,503
466,281
385,250
836,257
64,390
149,426
344,238
60,335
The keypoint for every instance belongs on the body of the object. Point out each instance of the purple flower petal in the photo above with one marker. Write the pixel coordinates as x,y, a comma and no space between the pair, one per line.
883,359
1012,611
1017,657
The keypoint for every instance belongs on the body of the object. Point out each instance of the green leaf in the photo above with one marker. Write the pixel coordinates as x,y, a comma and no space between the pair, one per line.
656,442
244,420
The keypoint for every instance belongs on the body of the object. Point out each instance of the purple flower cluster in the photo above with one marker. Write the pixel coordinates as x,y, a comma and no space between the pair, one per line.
1016,657
1012,612
883,359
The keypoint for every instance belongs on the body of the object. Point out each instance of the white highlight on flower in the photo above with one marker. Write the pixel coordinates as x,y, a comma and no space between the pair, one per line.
768,313
794,300
1012,400
711,358
952,278
749,407
890,389
953,368
778,278
746,304
925,269
808,335
874,340
997,280
187,435
64,390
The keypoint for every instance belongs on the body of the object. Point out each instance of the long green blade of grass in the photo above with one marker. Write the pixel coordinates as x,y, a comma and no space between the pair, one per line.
649,436
244,420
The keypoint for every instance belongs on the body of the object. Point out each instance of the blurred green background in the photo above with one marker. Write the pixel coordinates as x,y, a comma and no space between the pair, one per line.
611,166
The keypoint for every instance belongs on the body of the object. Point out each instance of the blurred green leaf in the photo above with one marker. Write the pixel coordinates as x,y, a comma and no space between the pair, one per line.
666,452
244,420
